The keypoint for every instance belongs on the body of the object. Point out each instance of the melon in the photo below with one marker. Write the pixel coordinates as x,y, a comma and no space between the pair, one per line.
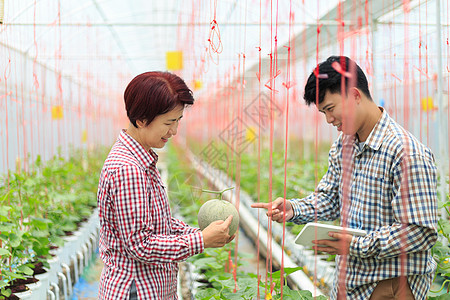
216,209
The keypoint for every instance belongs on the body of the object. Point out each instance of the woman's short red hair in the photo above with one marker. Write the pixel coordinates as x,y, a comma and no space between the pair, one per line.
155,93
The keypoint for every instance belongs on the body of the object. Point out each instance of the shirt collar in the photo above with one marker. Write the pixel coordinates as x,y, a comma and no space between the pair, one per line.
144,157
375,138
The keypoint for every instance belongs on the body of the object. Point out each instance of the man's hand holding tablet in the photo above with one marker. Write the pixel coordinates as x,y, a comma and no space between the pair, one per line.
327,238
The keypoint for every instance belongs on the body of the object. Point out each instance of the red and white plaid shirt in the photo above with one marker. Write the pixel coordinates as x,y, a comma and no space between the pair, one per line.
139,239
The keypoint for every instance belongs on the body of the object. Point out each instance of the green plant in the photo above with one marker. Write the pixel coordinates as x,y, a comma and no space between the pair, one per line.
38,206
230,283
441,254
15,252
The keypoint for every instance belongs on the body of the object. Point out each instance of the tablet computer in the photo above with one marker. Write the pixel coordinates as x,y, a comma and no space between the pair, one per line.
317,231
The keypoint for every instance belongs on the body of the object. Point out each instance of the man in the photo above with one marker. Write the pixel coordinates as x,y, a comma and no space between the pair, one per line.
381,179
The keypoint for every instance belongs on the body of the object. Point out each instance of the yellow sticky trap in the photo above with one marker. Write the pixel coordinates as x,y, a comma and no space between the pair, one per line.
198,84
18,164
84,136
174,60
250,134
427,104
57,112
2,10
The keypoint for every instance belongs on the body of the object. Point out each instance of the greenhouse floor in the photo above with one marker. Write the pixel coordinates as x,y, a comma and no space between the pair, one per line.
87,286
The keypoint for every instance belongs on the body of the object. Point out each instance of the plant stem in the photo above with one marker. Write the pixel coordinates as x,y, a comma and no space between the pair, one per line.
442,287
218,192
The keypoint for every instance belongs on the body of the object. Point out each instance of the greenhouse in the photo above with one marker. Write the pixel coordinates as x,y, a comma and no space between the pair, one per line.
224,149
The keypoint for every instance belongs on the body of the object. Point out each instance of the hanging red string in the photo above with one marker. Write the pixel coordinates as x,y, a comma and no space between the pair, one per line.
273,71
258,184
426,66
35,79
404,184
419,69
316,122
287,84
58,69
448,94
6,75
214,38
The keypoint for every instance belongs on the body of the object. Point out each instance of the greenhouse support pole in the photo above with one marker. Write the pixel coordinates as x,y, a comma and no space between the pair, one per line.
443,137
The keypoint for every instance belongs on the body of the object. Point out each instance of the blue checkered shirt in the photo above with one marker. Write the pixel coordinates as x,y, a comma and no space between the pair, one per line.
388,188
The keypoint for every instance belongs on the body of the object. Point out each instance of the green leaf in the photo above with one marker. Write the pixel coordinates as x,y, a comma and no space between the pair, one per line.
40,223
6,227
239,295
56,240
225,279
286,272
15,240
211,251
206,294
444,227
4,252
248,287
203,263
25,270
289,294
40,233
12,275
69,226
7,292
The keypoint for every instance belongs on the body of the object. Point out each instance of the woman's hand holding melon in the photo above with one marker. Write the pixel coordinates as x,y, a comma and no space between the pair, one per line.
216,234
219,220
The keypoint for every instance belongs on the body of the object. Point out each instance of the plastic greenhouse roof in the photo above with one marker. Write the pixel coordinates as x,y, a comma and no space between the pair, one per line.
99,45
117,38
110,39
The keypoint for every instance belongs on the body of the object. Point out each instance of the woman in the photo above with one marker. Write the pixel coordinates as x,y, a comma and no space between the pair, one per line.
140,242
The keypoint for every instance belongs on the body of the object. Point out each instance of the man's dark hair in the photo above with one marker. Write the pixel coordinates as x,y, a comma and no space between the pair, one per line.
330,75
